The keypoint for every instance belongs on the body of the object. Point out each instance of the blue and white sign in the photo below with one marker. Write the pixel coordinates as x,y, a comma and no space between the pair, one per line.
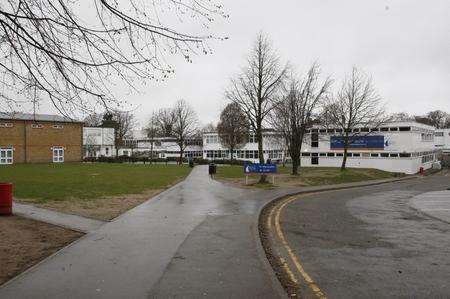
359,142
260,168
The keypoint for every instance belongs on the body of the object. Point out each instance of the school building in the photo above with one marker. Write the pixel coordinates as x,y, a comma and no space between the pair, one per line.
39,138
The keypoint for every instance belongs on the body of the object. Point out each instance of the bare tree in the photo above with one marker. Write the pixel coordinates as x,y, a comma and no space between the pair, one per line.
257,87
294,113
185,126
356,105
70,54
93,120
123,123
233,128
165,120
401,116
437,119
152,130
208,128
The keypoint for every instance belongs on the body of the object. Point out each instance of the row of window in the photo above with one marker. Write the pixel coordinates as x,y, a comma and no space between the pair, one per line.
365,155
358,130
215,138
7,155
34,126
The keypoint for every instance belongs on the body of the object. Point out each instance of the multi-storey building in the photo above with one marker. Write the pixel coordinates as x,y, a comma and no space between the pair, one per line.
442,140
39,138
163,147
272,145
98,141
396,146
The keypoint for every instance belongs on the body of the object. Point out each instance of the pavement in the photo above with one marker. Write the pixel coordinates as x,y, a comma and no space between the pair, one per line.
73,222
196,239
385,241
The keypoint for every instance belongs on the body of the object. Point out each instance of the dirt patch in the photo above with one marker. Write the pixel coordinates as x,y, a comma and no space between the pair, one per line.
105,208
25,242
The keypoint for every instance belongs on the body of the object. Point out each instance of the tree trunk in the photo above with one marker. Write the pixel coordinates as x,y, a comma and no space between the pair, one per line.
181,157
263,178
231,156
346,143
151,152
295,166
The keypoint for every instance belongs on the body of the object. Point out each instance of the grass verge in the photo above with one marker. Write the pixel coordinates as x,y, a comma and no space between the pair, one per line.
98,190
308,176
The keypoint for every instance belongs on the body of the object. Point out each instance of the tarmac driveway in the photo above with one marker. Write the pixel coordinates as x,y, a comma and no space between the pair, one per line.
194,240
373,242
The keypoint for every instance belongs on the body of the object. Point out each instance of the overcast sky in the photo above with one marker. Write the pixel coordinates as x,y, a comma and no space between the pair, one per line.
403,44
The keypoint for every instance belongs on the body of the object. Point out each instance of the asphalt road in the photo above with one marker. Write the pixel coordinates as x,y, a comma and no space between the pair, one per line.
372,242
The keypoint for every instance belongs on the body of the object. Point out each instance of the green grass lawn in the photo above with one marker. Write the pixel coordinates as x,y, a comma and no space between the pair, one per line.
310,176
55,182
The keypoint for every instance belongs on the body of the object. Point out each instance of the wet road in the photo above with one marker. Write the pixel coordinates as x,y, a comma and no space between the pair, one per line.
372,242
194,240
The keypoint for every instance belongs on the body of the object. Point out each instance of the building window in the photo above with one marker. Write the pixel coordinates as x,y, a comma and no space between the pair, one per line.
58,154
405,129
58,126
6,156
314,160
374,155
306,154
384,155
393,155
37,126
10,125
384,129
330,154
252,138
323,154
314,140
356,155
393,129
107,151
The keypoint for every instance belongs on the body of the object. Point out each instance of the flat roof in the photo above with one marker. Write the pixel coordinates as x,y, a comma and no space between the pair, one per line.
36,117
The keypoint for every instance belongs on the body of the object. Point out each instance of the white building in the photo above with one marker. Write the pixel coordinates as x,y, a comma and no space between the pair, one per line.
163,147
442,140
396,147
98,141
272,145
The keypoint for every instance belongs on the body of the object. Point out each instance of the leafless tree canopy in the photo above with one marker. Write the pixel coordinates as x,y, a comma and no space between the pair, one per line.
294,113
93,120
56,51
165,120
356,105
152,129
233,128
185,126
123,123
258,86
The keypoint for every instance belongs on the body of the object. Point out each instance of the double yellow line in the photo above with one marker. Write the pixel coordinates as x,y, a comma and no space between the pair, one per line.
276,210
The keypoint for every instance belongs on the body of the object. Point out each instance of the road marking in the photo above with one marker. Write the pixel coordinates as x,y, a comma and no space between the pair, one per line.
313,286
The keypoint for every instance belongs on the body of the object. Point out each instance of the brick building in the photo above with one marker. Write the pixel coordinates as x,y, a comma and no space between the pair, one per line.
39,138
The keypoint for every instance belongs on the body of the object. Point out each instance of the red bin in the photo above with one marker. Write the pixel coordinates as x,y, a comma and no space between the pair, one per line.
6,198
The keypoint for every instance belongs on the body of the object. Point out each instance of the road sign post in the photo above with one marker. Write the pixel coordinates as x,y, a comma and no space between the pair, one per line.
259,168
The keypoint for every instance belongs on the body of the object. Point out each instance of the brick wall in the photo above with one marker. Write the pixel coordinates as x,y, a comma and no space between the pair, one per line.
34,145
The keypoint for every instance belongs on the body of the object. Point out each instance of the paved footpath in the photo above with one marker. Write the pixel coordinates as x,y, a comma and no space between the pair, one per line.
195,239
74,222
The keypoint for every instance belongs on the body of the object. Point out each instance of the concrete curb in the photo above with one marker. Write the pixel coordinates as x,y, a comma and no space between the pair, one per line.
257,218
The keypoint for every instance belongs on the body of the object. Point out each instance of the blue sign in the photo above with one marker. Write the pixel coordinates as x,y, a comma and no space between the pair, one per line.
260,168
360,142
